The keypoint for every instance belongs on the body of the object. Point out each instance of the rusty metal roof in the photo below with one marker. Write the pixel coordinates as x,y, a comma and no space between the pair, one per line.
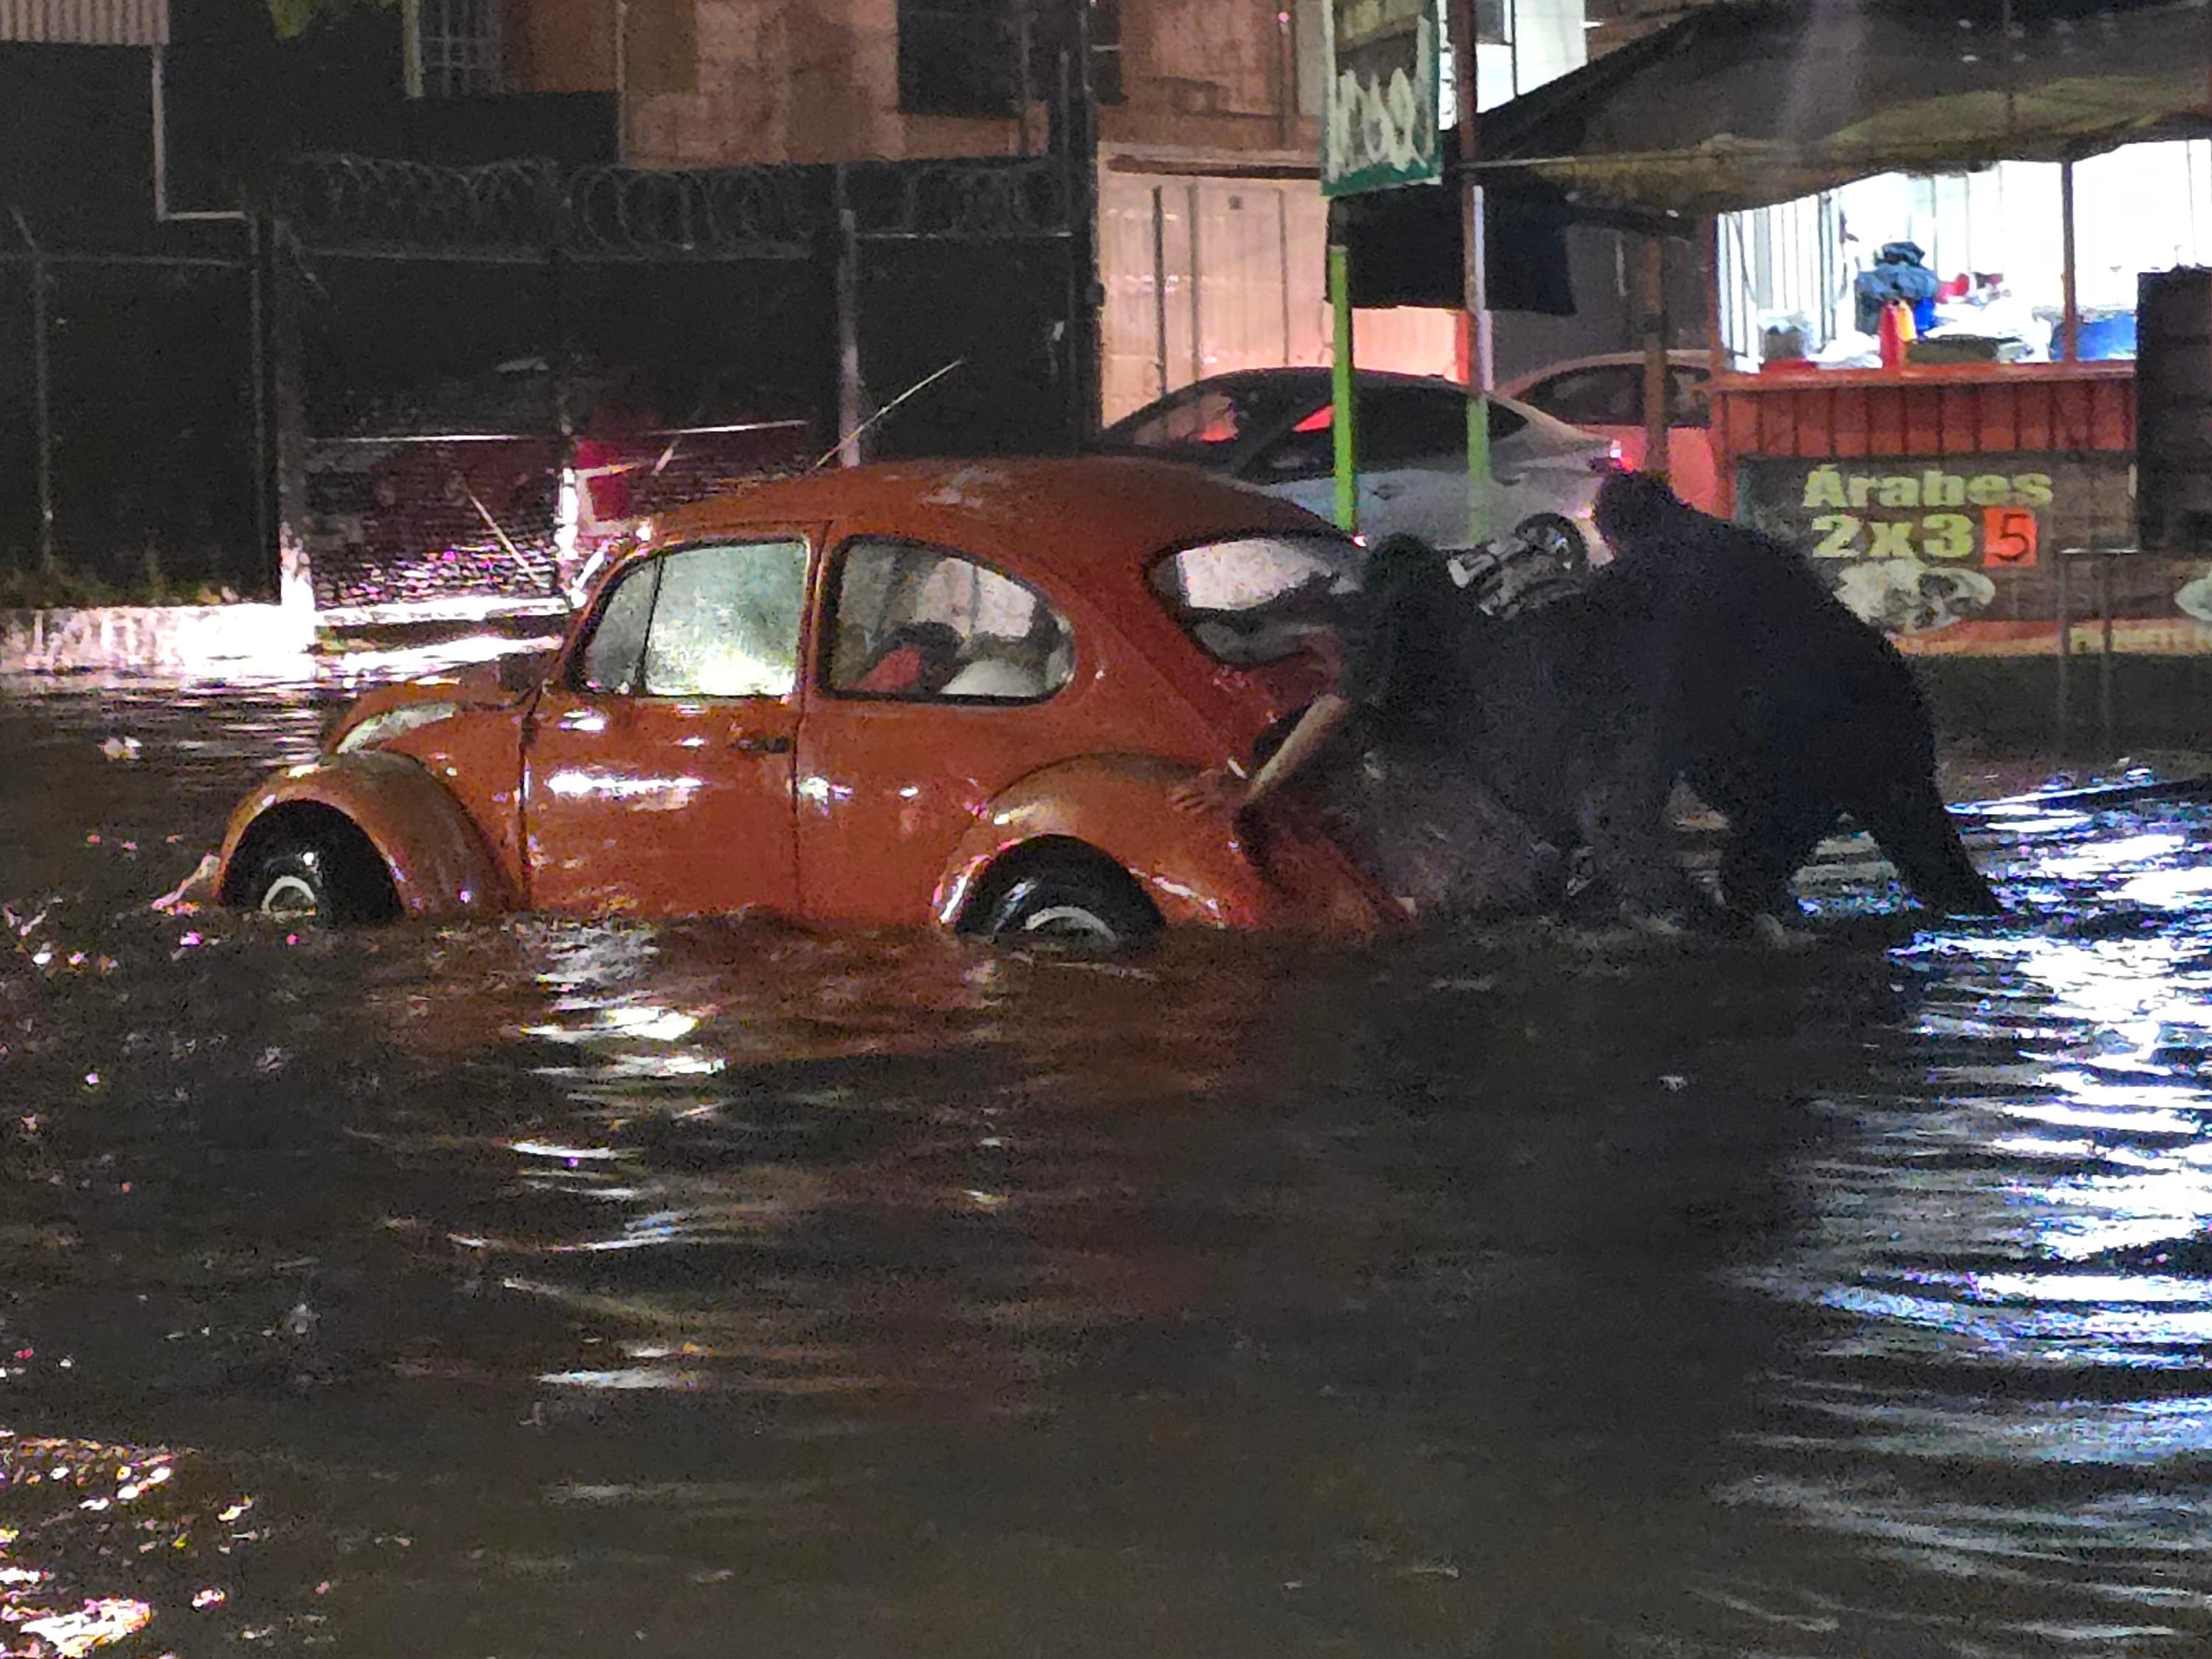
1754,102
86,22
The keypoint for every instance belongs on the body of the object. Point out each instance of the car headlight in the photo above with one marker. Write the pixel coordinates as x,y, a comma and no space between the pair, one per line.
382,728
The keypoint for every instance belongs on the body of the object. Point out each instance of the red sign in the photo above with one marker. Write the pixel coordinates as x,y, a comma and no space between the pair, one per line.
2008,538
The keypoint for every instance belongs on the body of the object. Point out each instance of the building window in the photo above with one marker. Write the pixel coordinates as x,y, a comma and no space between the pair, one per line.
965,57
959,58
1493,23
455,48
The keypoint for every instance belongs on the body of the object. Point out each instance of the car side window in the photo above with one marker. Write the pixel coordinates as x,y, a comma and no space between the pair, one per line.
1402,425
616,652
922,624
1399,426
726,621
1610,395
719,621
1308,450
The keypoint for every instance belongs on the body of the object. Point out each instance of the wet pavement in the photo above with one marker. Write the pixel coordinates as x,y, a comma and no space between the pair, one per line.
547,1289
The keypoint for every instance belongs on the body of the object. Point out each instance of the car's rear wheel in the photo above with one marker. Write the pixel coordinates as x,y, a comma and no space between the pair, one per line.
1555,540
1074,903
324,874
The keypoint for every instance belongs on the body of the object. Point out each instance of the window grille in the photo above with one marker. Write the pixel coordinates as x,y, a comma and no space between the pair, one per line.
459,47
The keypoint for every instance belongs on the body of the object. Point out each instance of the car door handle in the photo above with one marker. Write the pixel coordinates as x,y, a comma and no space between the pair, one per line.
750,743
1509,479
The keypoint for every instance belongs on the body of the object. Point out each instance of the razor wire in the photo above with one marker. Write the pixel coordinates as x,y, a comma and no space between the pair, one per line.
723,213
964,201
370,205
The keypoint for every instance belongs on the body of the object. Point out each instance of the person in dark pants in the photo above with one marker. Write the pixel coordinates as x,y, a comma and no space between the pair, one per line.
1775,701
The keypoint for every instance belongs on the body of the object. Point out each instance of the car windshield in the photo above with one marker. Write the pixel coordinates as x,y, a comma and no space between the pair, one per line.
1206,422
1258,599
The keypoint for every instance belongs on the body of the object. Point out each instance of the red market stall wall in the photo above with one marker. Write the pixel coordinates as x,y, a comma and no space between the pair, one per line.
1967,508
1981,515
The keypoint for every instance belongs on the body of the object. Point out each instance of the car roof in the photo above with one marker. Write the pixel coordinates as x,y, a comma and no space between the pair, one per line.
1129,509
1678,357
1294,380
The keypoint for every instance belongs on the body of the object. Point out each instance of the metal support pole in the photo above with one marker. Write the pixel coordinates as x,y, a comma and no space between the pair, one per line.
1025,67
410,48
1076,141
258,354
41,387
2060,715
1479,344
287,397
2071,328
1343,417
2104,654
1651,260
1192,211
1160,281
157,97
852,389
621,83
1718,363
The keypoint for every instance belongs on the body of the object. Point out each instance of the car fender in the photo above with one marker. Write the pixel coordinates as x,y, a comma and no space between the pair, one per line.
436,856
1195,867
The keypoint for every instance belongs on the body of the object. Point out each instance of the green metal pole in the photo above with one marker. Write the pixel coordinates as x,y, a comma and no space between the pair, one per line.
1342,418
1478,355
1477,468
1475,276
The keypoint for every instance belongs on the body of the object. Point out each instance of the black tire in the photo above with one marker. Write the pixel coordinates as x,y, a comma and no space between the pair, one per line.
1077,905
319,878
1556,538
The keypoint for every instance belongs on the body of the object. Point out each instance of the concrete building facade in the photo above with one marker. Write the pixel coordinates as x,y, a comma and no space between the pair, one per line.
1211,222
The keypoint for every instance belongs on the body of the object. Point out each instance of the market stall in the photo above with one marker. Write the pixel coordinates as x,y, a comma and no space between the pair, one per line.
1976,497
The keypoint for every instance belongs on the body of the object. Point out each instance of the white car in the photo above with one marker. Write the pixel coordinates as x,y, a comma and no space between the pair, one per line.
1605,395
1270,427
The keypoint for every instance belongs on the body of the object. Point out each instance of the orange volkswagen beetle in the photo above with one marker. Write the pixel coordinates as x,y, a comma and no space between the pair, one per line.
949,692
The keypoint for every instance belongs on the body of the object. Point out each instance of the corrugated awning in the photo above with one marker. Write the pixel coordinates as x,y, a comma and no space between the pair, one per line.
86,22
1741,105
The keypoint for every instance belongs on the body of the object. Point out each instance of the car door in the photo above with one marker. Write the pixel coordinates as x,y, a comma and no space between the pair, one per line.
942,680
658,773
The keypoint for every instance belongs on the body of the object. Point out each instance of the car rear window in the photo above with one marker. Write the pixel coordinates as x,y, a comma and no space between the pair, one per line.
1256,599
1205,423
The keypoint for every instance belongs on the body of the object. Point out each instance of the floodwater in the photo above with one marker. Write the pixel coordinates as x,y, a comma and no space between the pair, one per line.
537,1288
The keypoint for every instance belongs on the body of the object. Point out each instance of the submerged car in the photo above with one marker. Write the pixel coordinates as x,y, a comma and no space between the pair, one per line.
956,693
1272,428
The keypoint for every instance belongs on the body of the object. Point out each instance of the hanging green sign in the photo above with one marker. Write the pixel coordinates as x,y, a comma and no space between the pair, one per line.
1380,130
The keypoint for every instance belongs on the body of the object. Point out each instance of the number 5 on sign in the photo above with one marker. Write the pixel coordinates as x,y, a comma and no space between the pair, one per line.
2008,537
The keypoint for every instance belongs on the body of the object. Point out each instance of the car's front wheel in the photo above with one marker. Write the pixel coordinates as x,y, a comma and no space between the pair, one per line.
1082,904
322,875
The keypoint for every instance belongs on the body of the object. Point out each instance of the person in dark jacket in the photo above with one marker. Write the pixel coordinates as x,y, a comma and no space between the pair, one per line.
1777,703
1385,735
1898,274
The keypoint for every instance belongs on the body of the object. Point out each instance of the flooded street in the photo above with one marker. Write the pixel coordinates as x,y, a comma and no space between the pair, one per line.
537,1288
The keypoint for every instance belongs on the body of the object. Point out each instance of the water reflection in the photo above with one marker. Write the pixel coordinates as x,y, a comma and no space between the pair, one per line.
539,1286
2012,1257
